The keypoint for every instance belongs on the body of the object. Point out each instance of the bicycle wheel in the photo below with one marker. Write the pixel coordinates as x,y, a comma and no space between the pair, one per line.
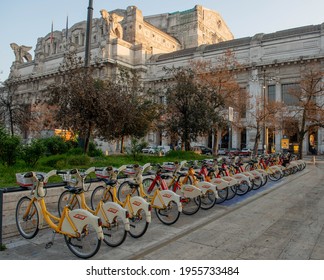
275,176
208,200
138,224
100,194
85,246
67,198
169,215
222,195
115,234
27,218
242,188
125,189
257,183
249,167
190,205
147,182
232,190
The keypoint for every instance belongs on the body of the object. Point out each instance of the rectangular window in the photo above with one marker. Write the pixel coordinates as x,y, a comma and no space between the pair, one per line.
288,92
271,93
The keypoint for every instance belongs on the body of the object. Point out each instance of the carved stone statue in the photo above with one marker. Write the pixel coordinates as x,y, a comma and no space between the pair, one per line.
113,24
21,53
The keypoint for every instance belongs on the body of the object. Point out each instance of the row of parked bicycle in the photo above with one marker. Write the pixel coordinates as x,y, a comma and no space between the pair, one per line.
122,201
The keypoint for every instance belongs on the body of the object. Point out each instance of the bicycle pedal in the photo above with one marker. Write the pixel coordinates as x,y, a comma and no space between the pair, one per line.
48,245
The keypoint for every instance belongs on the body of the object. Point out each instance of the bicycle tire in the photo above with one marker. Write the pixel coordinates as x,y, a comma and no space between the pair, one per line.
242,188
275,176
125,189
138,224
169,215
114,234
257,183
27,224
190,205
98,194
265,180
85,246
65,199
222,195
232,190
208,200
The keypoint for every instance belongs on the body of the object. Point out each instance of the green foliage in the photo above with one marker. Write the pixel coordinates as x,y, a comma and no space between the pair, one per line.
55,161
94,151
32,152
136,148
78,160
9,148
56,145
75,151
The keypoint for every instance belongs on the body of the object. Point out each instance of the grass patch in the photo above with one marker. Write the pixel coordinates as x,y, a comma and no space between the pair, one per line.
75,160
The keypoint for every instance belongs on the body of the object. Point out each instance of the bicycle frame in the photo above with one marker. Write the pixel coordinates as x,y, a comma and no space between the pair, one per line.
197,189
161,198
70,223
106,211
132,203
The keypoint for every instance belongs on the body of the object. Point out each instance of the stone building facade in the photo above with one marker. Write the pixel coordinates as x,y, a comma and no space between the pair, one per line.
149,43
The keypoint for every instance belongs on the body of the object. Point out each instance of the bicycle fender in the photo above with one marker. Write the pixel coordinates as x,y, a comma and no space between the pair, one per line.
205,186
138,203
249,174
231,181
80,218
190,191
111,210
257,174
274,169
262,172
167,196
241,177
220,183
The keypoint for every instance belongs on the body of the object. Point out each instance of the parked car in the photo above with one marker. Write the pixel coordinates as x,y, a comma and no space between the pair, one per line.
245,152
234,151
149,150
222,152
163,149
202,150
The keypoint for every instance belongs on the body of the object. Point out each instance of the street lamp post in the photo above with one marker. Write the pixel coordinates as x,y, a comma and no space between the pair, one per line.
264,114
88,34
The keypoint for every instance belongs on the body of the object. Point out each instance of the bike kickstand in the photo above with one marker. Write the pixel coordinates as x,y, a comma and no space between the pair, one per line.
49,244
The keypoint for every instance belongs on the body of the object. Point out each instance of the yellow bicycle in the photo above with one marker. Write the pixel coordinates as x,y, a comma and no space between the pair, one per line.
138,208
166,204
115,223
81,229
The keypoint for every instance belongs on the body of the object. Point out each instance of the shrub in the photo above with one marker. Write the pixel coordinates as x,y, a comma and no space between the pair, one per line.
55,161
32,152
9,148
55,145
94,151
78,160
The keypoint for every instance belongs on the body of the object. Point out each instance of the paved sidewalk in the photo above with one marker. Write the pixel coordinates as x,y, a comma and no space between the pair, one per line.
282,220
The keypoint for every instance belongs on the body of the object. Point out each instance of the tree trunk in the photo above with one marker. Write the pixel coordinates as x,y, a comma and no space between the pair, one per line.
256,141
88,137
122,145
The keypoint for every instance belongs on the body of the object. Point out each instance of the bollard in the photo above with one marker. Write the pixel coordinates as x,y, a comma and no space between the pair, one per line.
314,160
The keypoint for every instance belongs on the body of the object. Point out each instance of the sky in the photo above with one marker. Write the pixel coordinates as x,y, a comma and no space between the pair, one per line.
22,22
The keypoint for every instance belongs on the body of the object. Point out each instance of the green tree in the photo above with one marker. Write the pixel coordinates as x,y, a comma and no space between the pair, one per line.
187,111
307,114
131,112
81,101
